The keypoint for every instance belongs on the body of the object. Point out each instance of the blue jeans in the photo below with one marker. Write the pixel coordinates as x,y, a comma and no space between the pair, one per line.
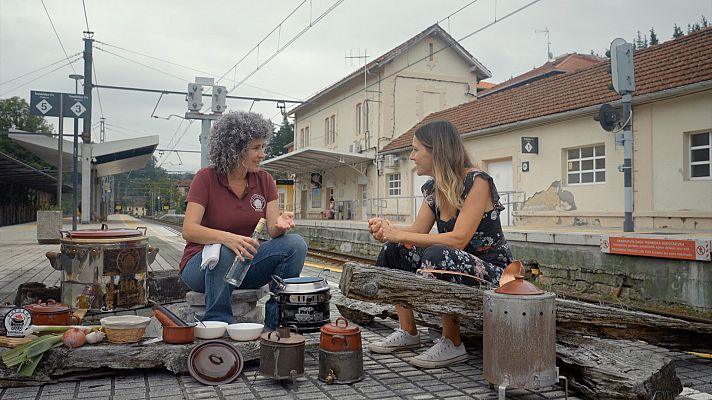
282,256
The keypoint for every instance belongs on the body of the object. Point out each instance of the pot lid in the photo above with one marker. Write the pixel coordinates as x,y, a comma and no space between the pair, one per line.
519,287
341,327
50,307
282,337
215,362
103,233
302,284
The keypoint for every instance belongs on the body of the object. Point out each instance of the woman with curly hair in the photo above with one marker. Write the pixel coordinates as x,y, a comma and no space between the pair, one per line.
224,204
469,247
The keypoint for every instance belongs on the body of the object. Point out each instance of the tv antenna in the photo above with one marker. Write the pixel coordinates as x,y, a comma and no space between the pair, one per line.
548,42
350,57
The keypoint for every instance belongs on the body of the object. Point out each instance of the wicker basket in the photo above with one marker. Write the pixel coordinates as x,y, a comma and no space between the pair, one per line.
124,328
131,335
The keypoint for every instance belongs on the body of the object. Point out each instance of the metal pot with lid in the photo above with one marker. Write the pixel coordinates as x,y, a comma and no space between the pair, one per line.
519,336
52,313
340,352
282,354
104,269
303,302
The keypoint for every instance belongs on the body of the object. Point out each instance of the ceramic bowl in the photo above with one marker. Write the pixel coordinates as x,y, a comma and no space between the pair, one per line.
210,329
245,331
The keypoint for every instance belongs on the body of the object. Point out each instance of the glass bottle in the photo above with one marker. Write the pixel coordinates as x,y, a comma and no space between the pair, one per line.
238,270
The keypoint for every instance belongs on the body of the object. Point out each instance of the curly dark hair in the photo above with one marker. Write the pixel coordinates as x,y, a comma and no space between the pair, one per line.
231,135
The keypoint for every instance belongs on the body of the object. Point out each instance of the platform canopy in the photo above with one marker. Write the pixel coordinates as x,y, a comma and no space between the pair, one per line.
15,171
309,159
109,158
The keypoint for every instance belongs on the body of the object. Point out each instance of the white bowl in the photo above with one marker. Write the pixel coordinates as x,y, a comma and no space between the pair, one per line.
210,329
245,331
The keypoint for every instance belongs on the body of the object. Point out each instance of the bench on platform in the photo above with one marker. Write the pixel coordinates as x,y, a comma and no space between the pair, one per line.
244,304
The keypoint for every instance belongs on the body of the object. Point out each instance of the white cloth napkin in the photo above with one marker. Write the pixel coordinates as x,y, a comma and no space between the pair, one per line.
211,254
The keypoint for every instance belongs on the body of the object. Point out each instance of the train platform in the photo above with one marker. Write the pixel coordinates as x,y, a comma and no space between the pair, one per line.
386,376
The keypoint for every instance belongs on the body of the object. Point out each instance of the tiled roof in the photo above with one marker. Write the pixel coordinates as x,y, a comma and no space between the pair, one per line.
676,63
481,71
564,63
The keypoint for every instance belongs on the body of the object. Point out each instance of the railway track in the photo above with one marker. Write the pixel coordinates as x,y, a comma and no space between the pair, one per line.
324,259
333,261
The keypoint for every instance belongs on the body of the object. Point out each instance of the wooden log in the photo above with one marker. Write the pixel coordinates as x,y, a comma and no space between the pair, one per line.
173,357
432,296
617,369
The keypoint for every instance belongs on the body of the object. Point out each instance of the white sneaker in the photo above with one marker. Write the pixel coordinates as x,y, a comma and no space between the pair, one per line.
443,354
398,340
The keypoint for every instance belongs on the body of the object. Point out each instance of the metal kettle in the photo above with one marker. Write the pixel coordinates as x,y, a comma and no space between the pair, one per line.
282,354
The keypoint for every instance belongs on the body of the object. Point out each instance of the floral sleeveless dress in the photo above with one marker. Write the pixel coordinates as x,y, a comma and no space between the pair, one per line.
484,257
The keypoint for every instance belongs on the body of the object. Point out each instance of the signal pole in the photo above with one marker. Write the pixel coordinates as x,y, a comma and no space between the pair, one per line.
623,77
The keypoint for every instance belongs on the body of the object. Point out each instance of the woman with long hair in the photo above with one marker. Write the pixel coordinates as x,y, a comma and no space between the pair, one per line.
224,204
463,201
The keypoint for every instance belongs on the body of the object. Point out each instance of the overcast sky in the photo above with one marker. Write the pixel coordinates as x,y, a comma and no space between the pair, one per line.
212,36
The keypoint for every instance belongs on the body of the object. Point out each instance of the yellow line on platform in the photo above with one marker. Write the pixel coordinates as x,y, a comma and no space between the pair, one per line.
323,266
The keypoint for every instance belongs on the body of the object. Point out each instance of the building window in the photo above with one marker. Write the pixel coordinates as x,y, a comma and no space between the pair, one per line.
586,165
332,129
700,155
394,184
282,193
430,52
358,118
316,198
306,136
326,130
301,137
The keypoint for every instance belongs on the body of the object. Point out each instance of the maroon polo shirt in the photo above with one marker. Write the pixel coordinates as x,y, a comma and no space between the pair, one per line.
223,209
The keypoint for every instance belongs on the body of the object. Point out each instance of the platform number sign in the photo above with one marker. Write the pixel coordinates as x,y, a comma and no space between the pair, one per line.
44,104
75,105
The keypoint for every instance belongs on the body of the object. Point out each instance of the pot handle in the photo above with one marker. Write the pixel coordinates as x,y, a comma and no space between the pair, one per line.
145,229
279,281
346,322
152,253
104,227
269,335
342,337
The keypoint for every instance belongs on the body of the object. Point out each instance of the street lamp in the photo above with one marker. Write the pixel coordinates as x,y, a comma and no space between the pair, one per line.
75,151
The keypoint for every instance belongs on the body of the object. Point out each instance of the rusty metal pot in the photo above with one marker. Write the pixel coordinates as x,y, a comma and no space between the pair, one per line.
52,313
519,337
282,354
340,352
178,334
104,269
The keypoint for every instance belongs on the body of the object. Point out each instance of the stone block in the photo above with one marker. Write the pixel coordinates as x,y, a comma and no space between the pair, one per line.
238,296
49,225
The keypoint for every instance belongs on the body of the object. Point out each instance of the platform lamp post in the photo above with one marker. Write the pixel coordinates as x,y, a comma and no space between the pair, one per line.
75,150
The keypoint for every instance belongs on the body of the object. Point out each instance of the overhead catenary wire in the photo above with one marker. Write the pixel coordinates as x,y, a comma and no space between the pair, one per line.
38,69
41,76
292,40
416,61
188,67
86,19
98,96
57,34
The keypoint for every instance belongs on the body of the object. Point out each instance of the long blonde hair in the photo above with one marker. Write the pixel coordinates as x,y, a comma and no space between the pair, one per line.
450,158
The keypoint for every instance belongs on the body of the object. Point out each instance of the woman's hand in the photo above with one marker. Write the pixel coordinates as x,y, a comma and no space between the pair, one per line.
389,233
285,221
241,245
374,228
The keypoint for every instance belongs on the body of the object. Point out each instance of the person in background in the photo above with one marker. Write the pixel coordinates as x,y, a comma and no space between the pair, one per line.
224,204
464,203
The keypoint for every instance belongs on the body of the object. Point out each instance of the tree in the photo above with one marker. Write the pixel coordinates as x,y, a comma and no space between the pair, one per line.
282,137
15,113
677,32
653,37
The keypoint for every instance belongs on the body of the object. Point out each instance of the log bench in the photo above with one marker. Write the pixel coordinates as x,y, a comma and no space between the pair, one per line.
598,347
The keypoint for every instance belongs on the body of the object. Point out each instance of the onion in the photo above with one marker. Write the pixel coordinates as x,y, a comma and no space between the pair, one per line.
74,338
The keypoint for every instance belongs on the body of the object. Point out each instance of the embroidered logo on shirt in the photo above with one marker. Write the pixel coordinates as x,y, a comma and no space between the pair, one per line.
258,202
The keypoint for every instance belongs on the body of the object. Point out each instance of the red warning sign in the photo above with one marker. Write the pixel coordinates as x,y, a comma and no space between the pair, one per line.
654,247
